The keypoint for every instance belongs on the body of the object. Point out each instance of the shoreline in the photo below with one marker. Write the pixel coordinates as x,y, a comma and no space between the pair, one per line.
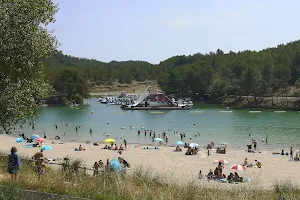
175,166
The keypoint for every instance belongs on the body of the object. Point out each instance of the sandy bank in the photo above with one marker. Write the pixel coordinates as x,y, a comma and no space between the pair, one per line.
174,165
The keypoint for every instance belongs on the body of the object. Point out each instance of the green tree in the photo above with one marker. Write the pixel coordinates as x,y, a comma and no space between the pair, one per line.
73,85
25,43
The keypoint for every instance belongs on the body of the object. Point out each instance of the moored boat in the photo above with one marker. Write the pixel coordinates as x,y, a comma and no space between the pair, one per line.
154,101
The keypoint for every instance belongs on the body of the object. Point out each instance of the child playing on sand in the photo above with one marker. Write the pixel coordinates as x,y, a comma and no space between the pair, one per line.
208,152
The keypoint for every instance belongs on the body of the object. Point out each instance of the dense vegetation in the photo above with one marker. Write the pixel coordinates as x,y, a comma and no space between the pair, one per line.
96,71
215,74
24,44
243,73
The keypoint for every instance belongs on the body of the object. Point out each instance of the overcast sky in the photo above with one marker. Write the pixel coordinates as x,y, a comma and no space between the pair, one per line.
155,30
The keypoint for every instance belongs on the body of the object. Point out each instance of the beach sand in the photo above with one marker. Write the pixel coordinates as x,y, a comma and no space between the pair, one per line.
175,166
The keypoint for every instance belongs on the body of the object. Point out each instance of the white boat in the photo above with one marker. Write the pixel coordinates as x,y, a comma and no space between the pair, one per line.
99,100
103,101
154,101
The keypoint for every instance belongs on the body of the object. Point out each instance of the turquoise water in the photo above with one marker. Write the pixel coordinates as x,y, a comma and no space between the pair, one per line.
282,129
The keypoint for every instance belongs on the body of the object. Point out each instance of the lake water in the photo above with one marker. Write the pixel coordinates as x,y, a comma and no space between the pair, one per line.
210,121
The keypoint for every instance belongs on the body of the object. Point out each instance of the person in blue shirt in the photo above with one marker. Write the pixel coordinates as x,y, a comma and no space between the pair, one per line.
14,163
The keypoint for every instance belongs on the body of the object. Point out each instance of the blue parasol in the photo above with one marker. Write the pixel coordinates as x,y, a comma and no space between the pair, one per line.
34,136
19,140
115,165
180,143
46,147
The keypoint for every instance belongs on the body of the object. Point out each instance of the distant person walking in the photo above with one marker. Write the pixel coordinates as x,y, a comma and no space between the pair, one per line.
125,144
291,153
14,163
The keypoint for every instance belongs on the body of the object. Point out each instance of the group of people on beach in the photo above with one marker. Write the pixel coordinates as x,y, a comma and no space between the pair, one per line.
218,174
291,154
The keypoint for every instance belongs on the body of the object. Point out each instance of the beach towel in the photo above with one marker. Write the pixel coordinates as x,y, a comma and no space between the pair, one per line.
28,146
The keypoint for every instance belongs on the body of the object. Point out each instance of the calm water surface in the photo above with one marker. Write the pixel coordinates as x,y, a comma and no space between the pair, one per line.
282,129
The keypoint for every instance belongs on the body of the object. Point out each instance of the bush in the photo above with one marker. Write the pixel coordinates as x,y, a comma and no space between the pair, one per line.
64,101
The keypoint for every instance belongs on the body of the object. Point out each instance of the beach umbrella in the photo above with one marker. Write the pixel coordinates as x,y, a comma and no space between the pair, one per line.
193,145
34,136
159,139
40,139
115,165
46,148
222,161
19,140
109,140
122,160
238,167
180,143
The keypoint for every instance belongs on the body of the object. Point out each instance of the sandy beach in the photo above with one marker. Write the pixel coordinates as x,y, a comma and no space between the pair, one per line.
175,166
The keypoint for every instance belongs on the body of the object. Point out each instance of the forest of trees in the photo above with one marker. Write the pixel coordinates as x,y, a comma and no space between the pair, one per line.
215,74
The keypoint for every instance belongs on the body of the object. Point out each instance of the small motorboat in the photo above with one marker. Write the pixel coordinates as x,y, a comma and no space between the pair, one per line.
105,134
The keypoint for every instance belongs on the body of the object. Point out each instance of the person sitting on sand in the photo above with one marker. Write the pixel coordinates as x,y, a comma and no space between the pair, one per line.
189,151
296,157
282,152
201,176
80,148
121,147
178,148
209,146
216,172
258,164
116,147
95,144
230,177
209,175
237,178
106,147
245,162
